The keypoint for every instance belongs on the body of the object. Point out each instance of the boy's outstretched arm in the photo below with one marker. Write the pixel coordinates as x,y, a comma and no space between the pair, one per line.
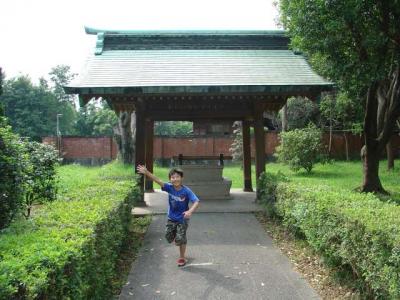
143,170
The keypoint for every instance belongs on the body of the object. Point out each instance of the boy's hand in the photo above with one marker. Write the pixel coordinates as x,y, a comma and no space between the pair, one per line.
187,214
142,169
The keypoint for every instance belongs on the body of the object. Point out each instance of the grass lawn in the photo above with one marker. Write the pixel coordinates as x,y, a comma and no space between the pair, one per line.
339,174
76,177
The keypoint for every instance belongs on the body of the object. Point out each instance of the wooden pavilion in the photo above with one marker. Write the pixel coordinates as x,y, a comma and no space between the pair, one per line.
195,75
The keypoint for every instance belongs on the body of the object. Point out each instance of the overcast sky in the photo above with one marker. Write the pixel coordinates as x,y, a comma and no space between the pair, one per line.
38,35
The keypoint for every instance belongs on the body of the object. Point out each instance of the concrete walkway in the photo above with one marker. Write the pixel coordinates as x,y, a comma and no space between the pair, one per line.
230,257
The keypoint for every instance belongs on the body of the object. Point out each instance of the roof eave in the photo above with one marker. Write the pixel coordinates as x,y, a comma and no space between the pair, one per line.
95,31
278,89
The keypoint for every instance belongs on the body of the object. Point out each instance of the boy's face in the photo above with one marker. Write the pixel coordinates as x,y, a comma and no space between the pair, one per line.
176,180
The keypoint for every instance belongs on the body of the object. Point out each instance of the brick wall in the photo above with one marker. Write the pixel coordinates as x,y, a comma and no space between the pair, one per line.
103,149
86,150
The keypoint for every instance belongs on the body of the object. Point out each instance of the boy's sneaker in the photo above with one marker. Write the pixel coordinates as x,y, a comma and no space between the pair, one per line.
181,262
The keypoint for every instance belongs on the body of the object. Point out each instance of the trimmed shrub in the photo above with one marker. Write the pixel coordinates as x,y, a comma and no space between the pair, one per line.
40,175
13,157
354,232
300,148
69,248
266,187
27,176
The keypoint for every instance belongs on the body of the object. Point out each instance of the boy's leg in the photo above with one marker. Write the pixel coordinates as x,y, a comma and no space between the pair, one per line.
180,237
181,241
170,231
182,250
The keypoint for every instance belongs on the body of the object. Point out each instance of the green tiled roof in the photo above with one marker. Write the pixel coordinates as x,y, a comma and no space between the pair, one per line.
195,61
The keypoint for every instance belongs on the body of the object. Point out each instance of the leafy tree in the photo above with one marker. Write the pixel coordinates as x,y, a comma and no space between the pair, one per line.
1,81
300,111
341,112
32,110
356,43
96,119
39,175
105,121
27,108
177,128
66,109
2,119
12,158
83,125
237,145
301,148
60,76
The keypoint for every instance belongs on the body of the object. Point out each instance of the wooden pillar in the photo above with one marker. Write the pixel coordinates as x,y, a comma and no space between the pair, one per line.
259,137
149,153
247,187
140,155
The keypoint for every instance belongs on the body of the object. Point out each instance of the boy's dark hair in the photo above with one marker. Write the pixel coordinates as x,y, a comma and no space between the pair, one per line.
175,171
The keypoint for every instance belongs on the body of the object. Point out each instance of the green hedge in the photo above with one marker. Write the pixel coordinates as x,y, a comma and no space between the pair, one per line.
69,249
354,232
13,158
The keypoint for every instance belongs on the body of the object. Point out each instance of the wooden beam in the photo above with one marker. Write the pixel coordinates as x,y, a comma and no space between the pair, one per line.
259,136
149,153
246,157
199,115
140,155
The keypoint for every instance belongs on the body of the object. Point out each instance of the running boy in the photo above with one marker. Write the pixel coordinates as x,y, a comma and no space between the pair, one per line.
179,213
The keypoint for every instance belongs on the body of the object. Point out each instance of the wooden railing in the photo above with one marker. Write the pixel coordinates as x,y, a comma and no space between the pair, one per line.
180,158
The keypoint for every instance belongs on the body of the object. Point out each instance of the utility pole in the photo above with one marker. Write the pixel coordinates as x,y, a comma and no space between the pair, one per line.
58,135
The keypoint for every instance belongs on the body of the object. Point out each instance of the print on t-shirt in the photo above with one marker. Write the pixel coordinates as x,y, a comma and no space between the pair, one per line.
178,201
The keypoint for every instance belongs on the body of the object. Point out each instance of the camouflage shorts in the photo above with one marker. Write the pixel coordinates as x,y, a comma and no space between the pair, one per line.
176,231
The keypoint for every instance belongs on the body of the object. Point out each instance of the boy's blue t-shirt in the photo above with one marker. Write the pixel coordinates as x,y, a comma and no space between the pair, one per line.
178,201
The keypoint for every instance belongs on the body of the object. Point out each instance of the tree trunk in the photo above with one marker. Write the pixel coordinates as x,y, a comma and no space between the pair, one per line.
330,138
371,182
370,151
346,144
284,118
390,155
382,111
124,135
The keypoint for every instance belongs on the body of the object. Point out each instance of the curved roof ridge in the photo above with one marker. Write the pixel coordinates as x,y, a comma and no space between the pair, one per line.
277,32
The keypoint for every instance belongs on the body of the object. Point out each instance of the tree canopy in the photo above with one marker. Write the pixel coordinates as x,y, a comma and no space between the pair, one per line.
355,43
96,118
32,109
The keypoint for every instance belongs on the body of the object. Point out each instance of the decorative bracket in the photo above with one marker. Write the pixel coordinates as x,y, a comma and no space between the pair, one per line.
99,43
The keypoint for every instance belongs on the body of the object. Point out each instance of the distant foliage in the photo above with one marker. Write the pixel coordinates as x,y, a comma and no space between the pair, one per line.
236,148
300,112
32,109
40,175
96,118
342,112
1,82
177,128
60,76
301,148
